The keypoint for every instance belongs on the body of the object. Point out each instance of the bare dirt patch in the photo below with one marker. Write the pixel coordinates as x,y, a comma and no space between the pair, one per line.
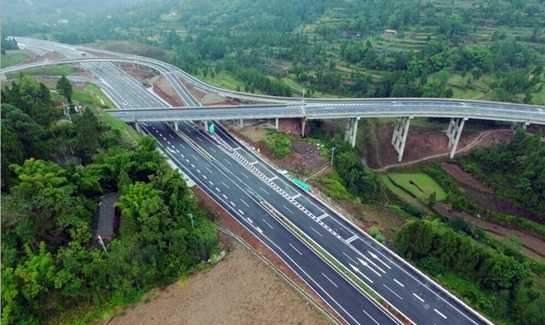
424,145
239,290
305,158
465,178
164,89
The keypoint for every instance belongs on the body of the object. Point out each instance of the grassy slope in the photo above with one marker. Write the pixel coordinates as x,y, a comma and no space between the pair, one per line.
13,57
426,183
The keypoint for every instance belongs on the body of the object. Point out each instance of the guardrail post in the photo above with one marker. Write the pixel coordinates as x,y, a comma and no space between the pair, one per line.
453,133
399,137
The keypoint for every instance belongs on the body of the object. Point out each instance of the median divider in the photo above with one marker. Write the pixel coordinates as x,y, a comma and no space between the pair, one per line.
344,271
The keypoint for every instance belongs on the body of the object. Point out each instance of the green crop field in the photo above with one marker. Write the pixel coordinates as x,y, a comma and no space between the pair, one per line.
397,191
419,184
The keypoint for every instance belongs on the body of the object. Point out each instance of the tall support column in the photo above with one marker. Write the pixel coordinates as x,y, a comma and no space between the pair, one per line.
347,130
399,137
351,130
354,131
176,126
276,123
137,127
517,125
303,125
241,123
205,123
453,133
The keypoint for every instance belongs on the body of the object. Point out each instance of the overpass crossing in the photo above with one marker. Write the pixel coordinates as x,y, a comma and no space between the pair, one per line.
403,109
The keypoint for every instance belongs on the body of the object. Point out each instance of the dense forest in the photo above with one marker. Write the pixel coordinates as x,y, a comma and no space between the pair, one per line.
336,47
54,173
496,282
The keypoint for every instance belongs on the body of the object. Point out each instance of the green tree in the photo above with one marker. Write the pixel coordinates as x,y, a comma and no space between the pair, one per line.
64,87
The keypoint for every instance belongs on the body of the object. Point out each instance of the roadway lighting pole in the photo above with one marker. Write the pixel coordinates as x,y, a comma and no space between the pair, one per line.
332,153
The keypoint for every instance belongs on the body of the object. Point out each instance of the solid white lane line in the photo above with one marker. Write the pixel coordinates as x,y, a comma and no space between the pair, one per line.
414,294
250,220
225,185
246,204
392,291
267,192
316,231
350,258
240,211
285,207
267,223
371,317
401,284
295,249
333,283
437,311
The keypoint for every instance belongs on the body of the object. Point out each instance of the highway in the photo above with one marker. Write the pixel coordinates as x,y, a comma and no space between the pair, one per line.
218,180
234,177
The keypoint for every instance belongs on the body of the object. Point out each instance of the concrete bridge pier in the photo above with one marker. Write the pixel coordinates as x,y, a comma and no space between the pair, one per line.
453,133
399,137
176,126
205,123
241,123
517,125
276,123
137,127
303,125
351,130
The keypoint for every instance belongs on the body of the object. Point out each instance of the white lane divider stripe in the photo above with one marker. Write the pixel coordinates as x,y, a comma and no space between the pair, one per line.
287,209
333,283
267,223
392,291
246,204
295,249
401,284
350,258
351,239
414,294
316,231
437,311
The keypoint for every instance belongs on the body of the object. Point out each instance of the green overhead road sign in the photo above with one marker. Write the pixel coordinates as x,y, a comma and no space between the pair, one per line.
211,128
